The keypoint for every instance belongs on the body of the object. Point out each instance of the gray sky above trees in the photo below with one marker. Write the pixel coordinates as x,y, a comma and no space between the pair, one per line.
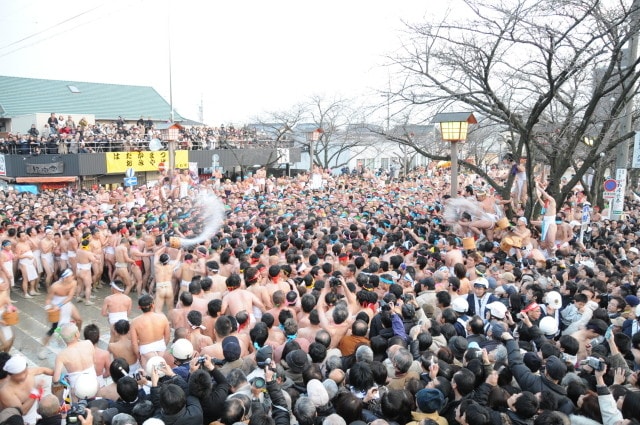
241,57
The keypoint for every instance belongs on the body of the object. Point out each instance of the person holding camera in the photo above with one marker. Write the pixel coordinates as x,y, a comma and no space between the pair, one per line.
209,385
555,369
172,400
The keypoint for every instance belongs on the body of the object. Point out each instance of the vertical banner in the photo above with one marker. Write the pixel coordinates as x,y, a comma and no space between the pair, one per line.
635,160
618,200
3,165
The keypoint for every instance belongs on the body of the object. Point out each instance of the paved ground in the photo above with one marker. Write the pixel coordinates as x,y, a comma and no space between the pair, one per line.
33,325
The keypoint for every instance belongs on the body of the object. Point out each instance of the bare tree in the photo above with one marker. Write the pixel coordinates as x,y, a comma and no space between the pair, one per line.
343,135
549,71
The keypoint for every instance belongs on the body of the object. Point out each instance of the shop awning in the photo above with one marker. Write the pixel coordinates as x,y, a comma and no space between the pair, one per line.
51,179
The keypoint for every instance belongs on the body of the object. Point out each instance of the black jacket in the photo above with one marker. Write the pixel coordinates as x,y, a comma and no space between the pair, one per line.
190,414
211,403
529,381
279,409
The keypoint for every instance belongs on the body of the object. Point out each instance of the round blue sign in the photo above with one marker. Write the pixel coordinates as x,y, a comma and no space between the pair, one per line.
610,185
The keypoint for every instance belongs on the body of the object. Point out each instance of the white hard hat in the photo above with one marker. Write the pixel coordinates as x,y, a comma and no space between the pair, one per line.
86,386
553,299
548,325
460,305
155,362
481,281
182,349
497,309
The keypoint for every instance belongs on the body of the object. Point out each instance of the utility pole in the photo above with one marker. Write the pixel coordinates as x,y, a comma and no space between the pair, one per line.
622,150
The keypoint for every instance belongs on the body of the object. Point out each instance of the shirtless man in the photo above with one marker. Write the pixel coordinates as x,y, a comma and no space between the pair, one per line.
85,258
96,243
163,270
137,254
34,241
6,268
76,359
110,251
149,332
116,306
72,248
199,341
186,271
120,345
47,245
548,226
238,299
453,254
122,264
63,246
60,295
218,282
340,323
101,358
26,263
21,390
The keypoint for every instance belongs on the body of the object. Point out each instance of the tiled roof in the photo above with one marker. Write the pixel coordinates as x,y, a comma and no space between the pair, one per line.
21,96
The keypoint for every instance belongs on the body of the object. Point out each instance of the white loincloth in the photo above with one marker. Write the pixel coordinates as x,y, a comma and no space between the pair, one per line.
154,347
65,310
119,315
32,273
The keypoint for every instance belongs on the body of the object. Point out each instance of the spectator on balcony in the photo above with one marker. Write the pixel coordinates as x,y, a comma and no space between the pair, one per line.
46,131
52,146
70,124
83,125
53,123
33,131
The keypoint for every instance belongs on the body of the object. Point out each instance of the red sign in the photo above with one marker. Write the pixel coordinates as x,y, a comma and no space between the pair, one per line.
161,167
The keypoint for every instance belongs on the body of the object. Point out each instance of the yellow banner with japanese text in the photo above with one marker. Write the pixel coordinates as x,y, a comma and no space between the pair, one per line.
118,162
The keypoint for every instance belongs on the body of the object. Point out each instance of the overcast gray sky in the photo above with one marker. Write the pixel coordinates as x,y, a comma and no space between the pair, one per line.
240,57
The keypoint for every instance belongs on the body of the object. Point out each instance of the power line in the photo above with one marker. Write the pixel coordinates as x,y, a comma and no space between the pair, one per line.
51,27
123,6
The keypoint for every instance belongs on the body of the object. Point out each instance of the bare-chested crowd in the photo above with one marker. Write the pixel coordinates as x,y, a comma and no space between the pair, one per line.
323,299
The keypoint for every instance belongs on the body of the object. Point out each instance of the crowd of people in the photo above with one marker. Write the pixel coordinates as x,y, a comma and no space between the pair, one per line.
62,135
322,299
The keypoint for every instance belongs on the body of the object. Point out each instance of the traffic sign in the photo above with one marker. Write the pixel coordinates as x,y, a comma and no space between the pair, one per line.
130,181
610,185
161,167
608,195
130,172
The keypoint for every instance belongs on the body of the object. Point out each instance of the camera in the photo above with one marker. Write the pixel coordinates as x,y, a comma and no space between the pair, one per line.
77,409
201,360
218,362
264,364
258,382
138,376
595,363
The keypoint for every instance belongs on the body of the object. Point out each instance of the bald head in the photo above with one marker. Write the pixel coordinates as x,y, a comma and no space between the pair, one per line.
48,406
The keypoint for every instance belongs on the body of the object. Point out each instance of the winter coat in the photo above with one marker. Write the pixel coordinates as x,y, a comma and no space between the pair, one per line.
190,414
529,381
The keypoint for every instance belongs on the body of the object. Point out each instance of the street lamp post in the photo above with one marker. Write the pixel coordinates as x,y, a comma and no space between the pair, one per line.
453,128
170,132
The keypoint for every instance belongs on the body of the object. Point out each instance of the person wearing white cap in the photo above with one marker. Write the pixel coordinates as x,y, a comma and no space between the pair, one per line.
479,298
21,390
60,296
460,307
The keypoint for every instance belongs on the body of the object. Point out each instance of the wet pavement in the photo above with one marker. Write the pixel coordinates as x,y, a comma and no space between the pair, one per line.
33,325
